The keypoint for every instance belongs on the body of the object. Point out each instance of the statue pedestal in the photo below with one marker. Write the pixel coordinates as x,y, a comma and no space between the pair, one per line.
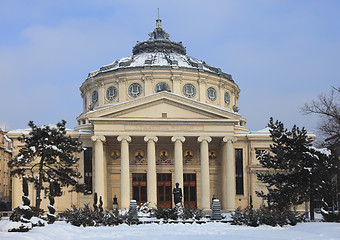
216,210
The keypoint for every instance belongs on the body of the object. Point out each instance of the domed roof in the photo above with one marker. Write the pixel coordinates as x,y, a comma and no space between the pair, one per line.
160,52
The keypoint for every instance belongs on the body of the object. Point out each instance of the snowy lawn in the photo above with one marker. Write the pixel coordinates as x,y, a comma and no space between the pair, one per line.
209,231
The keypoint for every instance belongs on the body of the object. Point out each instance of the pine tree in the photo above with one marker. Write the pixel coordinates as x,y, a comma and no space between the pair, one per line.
297,171
48,155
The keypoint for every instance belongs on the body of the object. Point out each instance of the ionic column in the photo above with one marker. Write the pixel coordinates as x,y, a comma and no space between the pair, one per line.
16,191
178,159
229,174
99,168
205,178
124,171
252,175
151,174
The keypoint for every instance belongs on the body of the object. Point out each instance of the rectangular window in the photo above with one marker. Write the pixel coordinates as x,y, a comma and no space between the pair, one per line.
139,189
239,170
88,169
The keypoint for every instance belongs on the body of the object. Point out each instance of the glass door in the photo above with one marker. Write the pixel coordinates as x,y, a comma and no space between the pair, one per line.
190,197
164,192
139,190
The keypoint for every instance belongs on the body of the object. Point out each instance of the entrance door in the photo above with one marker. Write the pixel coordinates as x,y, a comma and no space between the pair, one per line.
139,187
164,193
189,181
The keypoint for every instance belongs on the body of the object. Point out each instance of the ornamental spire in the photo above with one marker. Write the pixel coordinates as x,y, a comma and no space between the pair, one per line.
159,32
158,21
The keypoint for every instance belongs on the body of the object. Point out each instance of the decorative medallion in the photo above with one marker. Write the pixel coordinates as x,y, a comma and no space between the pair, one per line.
212,94
139,155
115,154
111,93
189,90
163,155
162,86
212,155
94,97
227,98
135,90
188,155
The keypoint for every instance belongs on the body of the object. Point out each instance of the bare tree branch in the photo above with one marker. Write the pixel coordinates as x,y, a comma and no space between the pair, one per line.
327,106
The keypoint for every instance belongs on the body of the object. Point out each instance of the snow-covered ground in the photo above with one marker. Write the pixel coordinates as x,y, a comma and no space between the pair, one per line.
209,231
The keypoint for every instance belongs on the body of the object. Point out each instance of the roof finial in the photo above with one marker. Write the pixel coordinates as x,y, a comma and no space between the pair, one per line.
158,21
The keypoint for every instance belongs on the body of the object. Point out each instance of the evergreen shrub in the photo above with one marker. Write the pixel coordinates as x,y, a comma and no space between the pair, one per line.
265,216
331,216
87,217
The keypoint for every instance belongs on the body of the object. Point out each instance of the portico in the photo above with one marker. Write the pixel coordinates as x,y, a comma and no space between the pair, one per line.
174,166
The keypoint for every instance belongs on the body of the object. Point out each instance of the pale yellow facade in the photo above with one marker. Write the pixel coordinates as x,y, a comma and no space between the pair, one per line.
159,118
5,180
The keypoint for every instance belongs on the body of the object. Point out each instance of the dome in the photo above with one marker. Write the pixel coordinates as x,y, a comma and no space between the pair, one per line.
160,52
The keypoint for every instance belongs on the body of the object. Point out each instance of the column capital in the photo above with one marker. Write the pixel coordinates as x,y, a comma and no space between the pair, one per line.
98,138
124,137
178,138
229,138
204,138
151,138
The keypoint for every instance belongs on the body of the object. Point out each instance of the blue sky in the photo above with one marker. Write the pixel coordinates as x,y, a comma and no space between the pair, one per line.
281,53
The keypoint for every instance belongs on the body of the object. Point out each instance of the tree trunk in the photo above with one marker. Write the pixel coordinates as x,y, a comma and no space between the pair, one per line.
39,186
311,206
311,200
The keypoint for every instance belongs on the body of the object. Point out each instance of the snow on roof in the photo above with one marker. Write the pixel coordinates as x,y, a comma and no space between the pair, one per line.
160,59
265,130
20,131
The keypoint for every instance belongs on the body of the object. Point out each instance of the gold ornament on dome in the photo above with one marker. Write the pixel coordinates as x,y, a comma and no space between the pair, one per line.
139,155
188,155
115,154
163,155
212,155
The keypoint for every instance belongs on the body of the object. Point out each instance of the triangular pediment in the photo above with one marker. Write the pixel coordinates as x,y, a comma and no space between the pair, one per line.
163,105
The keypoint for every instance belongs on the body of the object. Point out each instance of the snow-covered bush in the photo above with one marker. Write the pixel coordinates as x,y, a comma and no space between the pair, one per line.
265,216
178,213
81,217
23,213
166,213
87,217
249,217
330,216
192,213
114,217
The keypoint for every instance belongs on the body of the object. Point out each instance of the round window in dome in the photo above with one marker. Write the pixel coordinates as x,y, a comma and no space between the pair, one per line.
94,97
189,90
227,98
162,86
135,90
212,94
111,93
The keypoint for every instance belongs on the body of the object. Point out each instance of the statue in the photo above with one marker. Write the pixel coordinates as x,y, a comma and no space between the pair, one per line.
177,194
